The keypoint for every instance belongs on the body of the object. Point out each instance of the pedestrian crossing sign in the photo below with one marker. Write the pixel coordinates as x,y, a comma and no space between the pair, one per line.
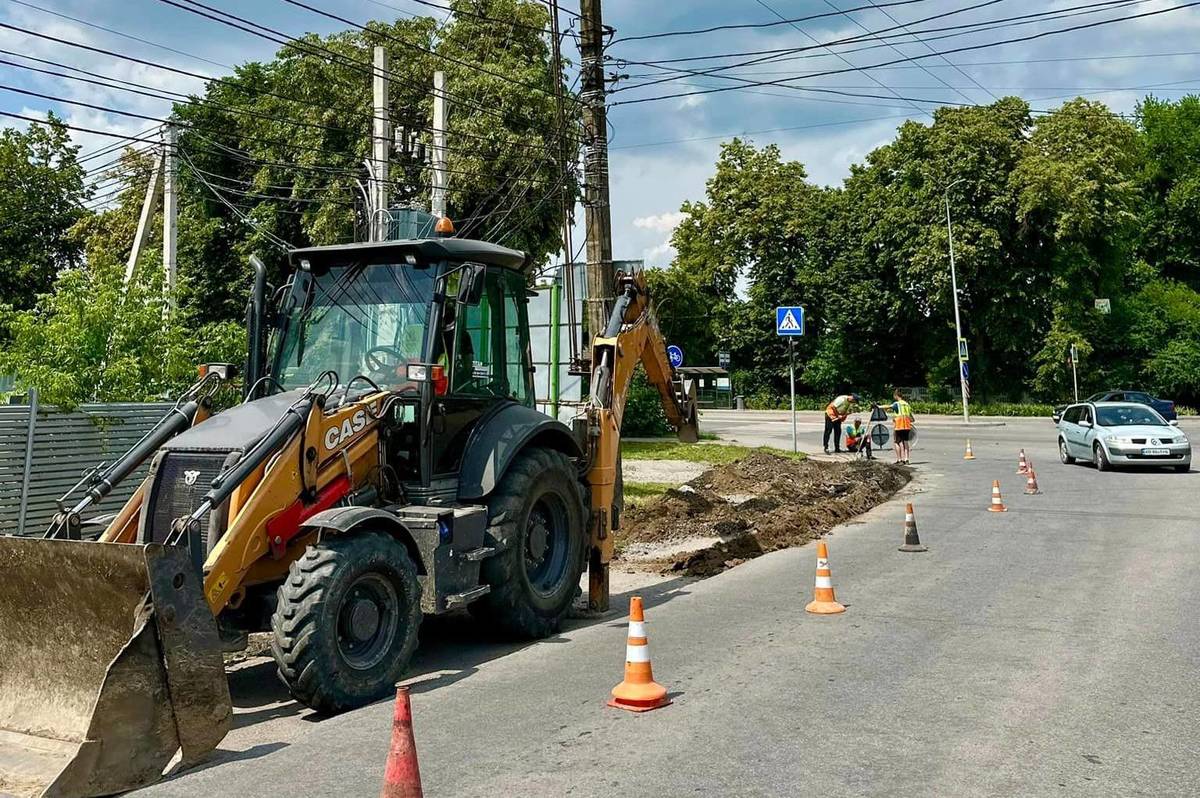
789,321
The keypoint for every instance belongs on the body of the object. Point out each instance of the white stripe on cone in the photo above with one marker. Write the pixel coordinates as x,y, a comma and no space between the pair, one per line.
824,581
822,564
637,629
637,653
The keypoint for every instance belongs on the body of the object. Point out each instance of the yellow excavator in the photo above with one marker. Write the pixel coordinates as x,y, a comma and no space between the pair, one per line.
386,462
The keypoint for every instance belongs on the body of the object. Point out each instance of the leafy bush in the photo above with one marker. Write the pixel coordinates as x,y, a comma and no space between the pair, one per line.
644,416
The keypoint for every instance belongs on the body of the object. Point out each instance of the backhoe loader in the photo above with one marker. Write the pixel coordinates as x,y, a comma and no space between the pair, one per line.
386,462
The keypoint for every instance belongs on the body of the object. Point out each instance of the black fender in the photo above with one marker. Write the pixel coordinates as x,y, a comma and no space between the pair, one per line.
343,520
499,437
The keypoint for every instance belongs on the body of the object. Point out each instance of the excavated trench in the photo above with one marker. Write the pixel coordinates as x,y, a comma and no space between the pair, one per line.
761,503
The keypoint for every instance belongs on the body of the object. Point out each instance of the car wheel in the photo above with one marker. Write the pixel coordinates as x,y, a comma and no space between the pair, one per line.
1062,452
1100,458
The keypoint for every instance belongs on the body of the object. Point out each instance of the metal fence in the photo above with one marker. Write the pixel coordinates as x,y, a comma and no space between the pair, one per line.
64,445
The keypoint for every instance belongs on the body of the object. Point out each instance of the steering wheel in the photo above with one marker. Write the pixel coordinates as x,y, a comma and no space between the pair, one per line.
378,364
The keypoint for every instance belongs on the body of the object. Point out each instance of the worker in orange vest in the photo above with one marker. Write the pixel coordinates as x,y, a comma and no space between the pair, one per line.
835,413
902,425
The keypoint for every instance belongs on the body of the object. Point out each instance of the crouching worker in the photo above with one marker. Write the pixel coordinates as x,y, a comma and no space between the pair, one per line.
857,439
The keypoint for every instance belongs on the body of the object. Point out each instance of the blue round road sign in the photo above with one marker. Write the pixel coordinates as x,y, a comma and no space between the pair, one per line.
676,356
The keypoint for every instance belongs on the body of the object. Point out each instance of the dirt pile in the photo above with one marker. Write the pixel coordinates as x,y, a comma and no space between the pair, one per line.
758,504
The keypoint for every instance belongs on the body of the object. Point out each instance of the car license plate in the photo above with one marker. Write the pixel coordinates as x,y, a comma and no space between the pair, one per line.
1156,452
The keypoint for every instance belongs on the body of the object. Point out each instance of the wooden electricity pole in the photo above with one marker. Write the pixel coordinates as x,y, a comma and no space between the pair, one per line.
600,275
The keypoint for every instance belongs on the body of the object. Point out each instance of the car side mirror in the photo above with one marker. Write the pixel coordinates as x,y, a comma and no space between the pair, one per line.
470,284
1174,422
1084,423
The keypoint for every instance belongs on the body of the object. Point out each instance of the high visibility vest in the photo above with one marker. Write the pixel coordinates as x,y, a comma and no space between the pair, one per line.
904,416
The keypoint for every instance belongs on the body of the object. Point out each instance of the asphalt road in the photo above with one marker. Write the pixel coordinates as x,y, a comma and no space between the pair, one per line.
1050,650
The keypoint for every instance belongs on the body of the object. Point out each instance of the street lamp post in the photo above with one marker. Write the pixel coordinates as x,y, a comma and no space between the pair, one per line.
962,377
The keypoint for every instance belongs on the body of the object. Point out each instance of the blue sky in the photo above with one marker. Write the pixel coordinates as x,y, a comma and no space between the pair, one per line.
663,151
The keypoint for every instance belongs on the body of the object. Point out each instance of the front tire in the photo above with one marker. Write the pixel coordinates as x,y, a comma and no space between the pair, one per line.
1066,458
536,517
346,622
1100,457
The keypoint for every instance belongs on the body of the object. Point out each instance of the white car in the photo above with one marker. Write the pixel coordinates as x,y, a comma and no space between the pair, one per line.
1121,433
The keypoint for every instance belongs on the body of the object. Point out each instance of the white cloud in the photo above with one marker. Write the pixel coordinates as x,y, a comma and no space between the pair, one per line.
660,255
662,222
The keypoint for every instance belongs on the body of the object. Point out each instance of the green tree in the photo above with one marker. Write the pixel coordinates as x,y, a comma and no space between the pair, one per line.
1170,235
41,195
1078,194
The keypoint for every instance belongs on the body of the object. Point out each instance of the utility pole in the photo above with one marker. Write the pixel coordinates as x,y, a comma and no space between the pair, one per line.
380,149
170,210
149,203
962,375
600,274
441,177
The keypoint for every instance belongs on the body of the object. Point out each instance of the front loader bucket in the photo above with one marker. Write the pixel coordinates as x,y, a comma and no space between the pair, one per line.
109,663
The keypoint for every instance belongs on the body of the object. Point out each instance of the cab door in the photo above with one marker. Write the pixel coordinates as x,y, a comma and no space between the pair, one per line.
488,364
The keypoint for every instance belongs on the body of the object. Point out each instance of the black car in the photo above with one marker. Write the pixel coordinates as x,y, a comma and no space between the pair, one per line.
1164,407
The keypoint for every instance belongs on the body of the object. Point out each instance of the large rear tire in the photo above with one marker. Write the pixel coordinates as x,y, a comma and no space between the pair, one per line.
536,516
346,622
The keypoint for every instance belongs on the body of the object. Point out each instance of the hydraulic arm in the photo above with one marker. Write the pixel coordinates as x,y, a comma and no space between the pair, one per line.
631,337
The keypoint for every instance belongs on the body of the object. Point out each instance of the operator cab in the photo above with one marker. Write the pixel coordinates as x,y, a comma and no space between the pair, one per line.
441,324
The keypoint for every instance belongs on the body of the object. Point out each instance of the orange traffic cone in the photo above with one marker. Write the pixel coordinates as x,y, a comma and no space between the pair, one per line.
1022,464
1031,486
638,692
401,776
970,455
912,541
824,602
997,506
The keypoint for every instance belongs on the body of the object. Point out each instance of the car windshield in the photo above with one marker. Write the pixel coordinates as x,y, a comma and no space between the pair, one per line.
1127,416
356,320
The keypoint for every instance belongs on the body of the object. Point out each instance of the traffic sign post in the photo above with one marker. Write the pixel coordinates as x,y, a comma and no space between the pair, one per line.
675,355
789,322
1074,370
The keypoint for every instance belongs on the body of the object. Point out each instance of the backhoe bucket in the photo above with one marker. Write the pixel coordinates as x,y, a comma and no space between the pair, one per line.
110,663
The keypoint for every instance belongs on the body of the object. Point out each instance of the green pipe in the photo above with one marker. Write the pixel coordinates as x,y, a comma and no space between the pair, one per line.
555,354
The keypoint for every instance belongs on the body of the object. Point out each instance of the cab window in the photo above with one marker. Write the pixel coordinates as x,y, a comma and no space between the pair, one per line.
1072,414
491,355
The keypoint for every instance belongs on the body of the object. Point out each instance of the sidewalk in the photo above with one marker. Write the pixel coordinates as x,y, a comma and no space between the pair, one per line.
816,416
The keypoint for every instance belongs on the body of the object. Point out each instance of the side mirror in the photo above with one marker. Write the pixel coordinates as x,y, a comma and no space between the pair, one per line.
1085,423
1174,422
470,284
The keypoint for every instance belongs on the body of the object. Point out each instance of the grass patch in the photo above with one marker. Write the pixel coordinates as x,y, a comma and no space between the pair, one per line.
715,453
637,492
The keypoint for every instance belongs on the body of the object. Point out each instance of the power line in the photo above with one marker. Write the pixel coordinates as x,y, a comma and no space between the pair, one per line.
417,47
778,54
897,50
969,48
930,49
750,25
970,64
839,56
252,92
122,34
